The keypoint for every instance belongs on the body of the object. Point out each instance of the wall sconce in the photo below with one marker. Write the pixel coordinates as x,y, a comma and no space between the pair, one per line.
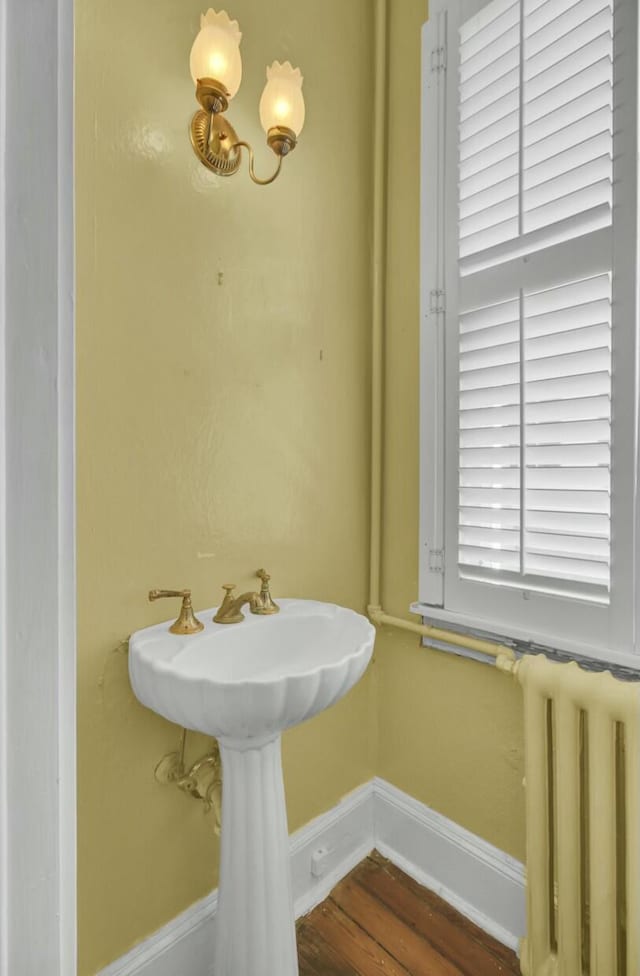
216,69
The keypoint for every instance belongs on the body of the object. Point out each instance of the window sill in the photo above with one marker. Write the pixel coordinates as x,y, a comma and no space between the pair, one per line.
523,642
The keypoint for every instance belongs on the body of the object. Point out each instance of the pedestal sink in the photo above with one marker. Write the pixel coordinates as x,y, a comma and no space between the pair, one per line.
244,684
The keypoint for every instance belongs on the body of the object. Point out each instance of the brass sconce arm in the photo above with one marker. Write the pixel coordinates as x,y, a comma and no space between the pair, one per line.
252,172
217,146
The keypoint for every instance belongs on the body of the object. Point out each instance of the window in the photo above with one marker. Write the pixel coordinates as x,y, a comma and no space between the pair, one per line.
529,335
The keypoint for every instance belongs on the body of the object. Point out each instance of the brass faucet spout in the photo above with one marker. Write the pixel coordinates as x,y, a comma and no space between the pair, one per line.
250,597
230,610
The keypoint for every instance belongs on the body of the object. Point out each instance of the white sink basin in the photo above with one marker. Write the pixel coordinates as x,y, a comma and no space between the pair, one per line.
256,678
244,683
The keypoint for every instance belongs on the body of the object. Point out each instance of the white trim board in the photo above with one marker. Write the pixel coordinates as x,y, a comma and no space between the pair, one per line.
480,881
37,545
473,876
4,691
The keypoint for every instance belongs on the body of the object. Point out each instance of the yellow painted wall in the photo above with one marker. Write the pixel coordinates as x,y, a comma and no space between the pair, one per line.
222,422
450,730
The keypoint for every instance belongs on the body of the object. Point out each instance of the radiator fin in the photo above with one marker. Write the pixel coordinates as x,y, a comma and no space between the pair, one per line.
539,877
568,837
621,843
632,844
602,843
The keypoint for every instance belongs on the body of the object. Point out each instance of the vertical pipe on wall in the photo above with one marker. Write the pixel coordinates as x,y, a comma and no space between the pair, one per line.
380,131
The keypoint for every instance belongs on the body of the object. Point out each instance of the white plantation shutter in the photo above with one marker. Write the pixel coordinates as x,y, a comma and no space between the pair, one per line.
567,417
535,149
535,126
490,490
530,509
489,127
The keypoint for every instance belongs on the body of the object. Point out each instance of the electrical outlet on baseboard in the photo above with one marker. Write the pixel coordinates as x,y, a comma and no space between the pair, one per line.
319,860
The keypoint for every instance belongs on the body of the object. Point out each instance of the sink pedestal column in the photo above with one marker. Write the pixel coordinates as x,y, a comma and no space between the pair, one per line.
255,925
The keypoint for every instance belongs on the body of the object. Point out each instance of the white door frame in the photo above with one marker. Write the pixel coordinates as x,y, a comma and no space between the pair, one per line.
37,544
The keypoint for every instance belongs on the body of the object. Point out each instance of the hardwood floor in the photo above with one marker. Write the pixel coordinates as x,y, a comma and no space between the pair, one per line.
379,922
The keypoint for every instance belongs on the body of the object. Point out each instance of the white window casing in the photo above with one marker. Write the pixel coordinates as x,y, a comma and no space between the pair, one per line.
529,320
432,309
37,493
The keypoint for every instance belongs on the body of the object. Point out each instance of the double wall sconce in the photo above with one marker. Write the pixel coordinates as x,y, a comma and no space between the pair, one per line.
216,69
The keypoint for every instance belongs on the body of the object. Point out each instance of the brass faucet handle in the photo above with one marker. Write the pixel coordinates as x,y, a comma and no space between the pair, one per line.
161,594
187,622
264,605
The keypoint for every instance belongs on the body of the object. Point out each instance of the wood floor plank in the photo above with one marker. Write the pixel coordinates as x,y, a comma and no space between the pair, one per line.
449,938
410,948
317,958
352,943
380,922
442,910
305,966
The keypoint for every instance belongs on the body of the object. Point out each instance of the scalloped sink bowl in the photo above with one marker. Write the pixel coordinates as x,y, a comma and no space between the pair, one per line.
255,678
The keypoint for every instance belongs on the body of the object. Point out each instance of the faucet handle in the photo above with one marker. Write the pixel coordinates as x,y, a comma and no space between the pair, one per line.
187,622
229,587
264,605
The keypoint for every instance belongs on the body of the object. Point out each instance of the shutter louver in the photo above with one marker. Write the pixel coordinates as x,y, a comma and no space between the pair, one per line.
489,127
489,504
535,172
567,348
567,67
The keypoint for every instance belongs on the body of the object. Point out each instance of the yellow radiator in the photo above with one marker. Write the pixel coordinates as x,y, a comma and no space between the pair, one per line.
582,760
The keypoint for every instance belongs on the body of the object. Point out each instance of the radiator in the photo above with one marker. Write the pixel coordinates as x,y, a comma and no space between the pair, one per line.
583,821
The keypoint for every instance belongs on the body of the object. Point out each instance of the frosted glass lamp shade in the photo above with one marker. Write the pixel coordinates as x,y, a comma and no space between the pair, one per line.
216,51
282,102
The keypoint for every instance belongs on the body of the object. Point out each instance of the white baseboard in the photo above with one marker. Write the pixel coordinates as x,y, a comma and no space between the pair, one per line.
184,945
476,878
346,832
